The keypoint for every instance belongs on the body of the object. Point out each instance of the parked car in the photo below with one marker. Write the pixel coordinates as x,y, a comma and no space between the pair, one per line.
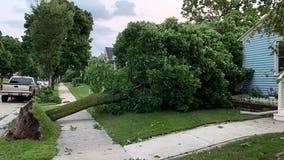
18,86
42,84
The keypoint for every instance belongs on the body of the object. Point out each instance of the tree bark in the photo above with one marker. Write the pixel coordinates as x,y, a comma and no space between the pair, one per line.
26,126
87,102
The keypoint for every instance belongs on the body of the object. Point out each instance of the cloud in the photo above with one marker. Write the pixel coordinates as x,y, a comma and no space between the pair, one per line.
97,9
124,8
10,30
101,12
102,37
14,23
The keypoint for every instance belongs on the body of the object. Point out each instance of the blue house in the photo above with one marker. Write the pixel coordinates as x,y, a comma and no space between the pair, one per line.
258,55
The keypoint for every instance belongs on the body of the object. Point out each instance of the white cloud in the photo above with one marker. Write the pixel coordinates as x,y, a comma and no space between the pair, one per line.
124,8
15,32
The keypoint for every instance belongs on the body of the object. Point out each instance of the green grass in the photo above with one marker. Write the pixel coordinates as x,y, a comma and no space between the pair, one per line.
43,149
263,147
81,91
133,127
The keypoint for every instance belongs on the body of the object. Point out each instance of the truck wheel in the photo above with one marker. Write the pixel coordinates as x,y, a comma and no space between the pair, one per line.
4,98
29,98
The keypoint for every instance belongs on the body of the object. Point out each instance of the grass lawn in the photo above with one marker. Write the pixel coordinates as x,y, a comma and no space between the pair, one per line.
81,91
43,149
133,127
263,147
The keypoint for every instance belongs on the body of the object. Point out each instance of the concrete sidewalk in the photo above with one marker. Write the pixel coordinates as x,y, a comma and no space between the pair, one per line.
183,142
79,139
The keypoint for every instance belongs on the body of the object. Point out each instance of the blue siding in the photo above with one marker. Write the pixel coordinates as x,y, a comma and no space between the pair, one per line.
258,56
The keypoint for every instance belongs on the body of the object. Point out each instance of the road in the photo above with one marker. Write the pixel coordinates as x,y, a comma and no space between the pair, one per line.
9,107
6,109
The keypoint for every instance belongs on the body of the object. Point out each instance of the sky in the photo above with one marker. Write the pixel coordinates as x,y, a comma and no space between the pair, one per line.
110,17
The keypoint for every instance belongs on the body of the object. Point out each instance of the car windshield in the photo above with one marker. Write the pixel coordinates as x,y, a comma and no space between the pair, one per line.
18,80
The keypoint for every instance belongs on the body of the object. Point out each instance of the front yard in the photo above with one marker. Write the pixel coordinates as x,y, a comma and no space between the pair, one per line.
263,147
133,127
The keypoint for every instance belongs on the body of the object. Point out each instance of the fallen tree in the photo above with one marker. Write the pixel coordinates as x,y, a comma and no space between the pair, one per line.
87,102
26,126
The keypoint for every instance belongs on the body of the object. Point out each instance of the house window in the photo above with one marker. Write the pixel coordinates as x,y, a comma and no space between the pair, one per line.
279,58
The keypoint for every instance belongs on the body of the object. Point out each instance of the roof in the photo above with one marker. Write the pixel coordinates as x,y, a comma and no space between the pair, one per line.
109,53
254,28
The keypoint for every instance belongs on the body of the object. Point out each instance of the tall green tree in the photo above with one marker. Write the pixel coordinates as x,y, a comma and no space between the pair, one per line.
34,68
76,47
75,50
20,59
48,30
5,61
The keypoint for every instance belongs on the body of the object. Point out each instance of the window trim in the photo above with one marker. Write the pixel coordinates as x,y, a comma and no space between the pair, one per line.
276,59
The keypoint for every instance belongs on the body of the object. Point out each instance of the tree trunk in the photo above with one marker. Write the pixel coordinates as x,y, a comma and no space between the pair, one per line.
26,126
87,102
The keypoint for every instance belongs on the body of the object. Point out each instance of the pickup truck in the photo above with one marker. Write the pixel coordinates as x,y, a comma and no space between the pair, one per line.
18,86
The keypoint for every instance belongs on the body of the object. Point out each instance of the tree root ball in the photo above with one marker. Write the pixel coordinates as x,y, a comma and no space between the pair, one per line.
25,126
280,156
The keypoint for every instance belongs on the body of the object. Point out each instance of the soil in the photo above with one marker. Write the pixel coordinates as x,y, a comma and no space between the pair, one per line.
280,156
253,107
25,126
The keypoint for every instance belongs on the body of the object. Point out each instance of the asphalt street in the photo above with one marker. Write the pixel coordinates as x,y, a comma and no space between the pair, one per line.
8,112
9,107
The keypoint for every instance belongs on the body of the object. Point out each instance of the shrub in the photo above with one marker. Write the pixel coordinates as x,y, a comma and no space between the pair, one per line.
175,85
46,95
69,75
142,101
99,75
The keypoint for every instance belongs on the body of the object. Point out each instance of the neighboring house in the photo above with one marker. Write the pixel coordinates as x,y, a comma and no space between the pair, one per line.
258,55
110,57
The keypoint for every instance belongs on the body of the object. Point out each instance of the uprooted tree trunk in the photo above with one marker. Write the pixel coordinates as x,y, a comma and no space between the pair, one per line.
87,102
26,126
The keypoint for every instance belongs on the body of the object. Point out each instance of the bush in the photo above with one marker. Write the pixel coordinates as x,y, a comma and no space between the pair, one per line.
175,85
142,101
46,95
98,75
69,75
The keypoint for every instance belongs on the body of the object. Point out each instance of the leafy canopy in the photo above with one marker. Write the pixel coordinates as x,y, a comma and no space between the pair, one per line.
200,10
49,26
179,66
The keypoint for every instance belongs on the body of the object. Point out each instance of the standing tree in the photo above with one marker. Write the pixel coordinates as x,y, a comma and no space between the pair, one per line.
5,60
48,29
75,50
76,47
20,60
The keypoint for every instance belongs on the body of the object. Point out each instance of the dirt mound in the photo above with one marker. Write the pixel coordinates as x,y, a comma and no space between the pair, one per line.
25,126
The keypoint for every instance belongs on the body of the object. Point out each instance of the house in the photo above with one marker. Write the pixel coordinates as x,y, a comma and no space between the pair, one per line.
258,55
110,57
